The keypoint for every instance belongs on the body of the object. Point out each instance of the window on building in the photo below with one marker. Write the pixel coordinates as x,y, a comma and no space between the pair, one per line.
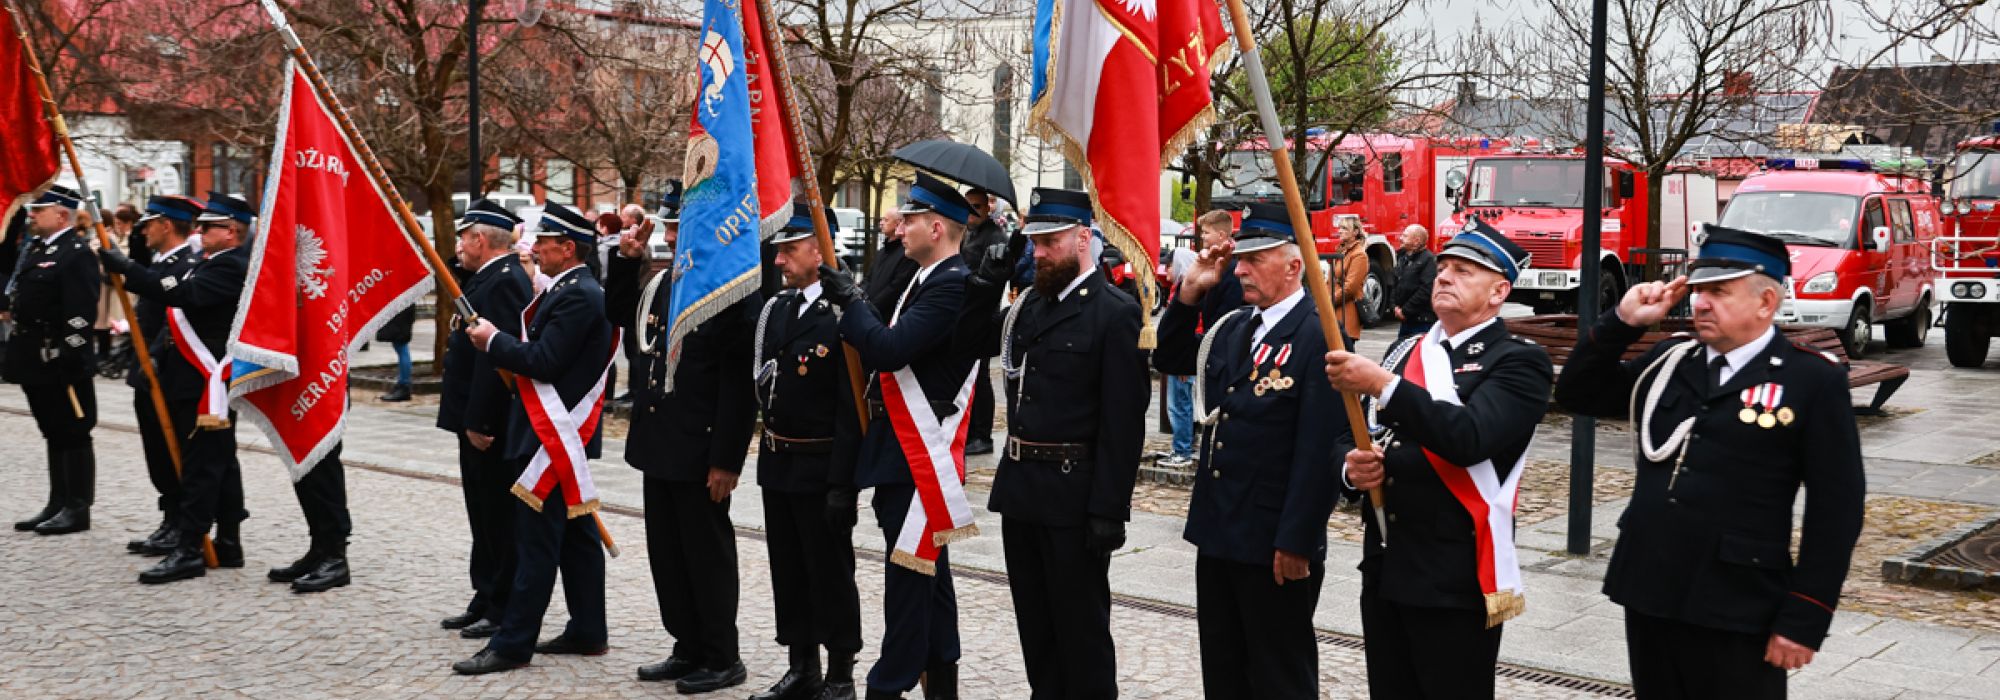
234,171
1392,172
513,179
560,181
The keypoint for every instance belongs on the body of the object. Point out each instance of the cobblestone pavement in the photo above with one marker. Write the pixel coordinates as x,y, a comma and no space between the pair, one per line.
77,626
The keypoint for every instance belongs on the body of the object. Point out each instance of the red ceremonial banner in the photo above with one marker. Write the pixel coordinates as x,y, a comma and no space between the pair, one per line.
28,157
330,263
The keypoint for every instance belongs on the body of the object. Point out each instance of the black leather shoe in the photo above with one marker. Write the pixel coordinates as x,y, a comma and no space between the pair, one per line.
941,682
979,446
838,690
462,620
709,680
401,392
330,574
797,684
562,644
839,677
184,563
303,566
484,662
150,543
874,694
480,630
672,669
228,545
167,541
56,500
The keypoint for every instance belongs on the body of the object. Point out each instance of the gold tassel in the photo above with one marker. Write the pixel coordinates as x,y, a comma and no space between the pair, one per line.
527,495
946,537
1502,606
911,562
582,509
208,422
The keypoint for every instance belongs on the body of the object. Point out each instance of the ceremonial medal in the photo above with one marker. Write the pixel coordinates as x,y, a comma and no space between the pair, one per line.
820,350
1747,415
1274,376
1766,421
1785,415
802,370
1263,385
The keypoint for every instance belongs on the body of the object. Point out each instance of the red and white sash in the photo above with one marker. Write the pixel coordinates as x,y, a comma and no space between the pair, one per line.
939,513
566,428
213,412
1478,488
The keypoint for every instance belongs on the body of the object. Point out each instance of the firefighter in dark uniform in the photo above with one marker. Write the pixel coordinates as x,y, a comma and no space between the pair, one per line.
1076,408
167,227
53,299
690,435
473,408
1264,477
200,307
920,612
809,438
1731,422
569,340
1460,403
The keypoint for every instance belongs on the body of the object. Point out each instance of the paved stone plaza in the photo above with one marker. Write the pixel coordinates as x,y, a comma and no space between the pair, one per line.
75,625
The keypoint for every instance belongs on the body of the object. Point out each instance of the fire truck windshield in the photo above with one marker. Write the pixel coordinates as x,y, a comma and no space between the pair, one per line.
1529,182
1976,174
1797,218
1247,173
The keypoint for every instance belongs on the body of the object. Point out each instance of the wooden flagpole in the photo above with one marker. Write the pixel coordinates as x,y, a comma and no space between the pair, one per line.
779,64
139,345
1274,141
447,285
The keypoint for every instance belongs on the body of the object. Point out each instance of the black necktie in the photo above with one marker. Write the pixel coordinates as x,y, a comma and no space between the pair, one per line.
1715,367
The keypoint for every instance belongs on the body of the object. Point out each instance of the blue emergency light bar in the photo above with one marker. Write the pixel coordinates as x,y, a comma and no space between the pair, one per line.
1855,164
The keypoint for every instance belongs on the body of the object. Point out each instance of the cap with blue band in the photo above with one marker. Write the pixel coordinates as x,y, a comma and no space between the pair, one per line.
1051,210
800,226
58,196
1485,247
559,220
171,208
1264,226
486,212
1726,254
222,207
932,196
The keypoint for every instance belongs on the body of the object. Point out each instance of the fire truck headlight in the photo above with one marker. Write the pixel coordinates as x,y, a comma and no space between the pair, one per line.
1821,283
1968,290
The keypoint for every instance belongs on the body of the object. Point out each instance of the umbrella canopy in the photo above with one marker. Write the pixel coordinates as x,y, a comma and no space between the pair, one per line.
963,163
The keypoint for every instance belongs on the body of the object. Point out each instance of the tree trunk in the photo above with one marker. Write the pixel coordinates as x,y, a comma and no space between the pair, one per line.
1655,190
442,236
1204,179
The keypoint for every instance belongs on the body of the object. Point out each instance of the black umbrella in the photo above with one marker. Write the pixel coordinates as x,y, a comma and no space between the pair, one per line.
961,162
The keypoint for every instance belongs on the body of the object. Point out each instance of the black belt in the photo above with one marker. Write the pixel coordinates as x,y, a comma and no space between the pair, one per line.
1023,451
877,409
779,444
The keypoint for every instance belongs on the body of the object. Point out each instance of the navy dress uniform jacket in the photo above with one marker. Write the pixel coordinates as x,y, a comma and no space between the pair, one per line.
1083,380
921,340
1224,297
1712,547
1503,382
475,397
54,306
208,295
888,274
807,398
570,340
151,315
707,421
1267,474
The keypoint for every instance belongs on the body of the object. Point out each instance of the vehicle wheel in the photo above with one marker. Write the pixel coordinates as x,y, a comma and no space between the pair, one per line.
1965,336
1374,301
1911,331
1609,290
1860,329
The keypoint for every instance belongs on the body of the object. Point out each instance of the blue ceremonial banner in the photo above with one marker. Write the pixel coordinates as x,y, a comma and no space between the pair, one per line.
715,261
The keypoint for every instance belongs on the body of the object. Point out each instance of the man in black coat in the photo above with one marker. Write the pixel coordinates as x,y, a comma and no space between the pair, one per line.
691,427
983,238
920,610
1732,421
807,447
563,357
1461,403
166,228
889,273
1416,271
473,408
1076,409
200,308
1264,486
53,300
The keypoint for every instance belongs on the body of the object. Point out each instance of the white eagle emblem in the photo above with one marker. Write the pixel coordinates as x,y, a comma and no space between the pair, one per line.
311,256
721,61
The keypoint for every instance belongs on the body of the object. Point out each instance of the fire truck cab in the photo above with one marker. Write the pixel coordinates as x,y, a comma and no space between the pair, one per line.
1859,233
1967,257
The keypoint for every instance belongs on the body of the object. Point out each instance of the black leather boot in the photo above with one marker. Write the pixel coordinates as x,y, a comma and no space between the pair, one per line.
79,491
874,694
400,392
168,540
941,682
229,545
330,574
300,568
55,503
150,544
839,677
184,563
801,680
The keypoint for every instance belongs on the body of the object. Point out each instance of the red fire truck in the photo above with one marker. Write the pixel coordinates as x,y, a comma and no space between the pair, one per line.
1536,199
1967,257
1859,233
1387,181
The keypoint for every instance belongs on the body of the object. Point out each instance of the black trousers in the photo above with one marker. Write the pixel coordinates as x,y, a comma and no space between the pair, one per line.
982,405
919,613
1062,606
812,573
55,416
159,462
488,481
1420,652
692,548
323,498
211,478
1257,638
546,543
1673,659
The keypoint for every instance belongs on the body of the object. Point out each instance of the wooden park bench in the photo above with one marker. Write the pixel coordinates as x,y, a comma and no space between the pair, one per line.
1557,333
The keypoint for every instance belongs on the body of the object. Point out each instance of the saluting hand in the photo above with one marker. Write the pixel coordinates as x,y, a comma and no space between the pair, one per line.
481,332
1648,303
1206,272
1787,654
1353,373
720,483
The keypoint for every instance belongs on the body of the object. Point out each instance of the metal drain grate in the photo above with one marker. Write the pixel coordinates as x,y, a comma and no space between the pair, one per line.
1980,552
